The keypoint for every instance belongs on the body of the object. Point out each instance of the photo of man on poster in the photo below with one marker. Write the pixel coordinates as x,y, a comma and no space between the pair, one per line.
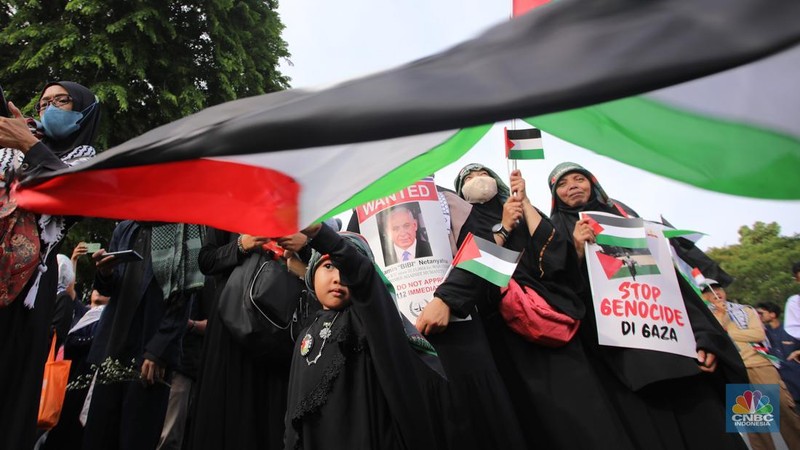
403,238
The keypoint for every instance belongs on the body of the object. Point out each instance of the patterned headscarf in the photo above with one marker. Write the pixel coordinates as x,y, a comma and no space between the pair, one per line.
174,249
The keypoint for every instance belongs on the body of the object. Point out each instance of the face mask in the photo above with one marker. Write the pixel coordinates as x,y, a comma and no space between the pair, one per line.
480,189
59,123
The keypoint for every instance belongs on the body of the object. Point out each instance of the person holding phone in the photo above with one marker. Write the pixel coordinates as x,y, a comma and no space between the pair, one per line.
140,330
69,116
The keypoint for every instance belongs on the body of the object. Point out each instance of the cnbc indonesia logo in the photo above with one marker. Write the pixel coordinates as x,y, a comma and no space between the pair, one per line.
752,409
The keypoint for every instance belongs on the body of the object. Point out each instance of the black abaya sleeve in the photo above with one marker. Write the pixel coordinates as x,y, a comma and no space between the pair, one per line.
40,159
461,291
392,356
219,254
105,284
164,346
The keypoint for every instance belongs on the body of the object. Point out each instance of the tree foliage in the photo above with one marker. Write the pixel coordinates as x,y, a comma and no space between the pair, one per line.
761,264
149,62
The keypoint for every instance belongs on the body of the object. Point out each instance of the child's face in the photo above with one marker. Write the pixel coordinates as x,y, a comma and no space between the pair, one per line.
327,285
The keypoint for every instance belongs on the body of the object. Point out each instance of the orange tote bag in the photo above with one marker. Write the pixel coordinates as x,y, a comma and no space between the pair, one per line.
54,387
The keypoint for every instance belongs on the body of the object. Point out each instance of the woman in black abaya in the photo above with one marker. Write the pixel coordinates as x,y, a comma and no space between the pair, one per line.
241,396
556,395
667,401
70,115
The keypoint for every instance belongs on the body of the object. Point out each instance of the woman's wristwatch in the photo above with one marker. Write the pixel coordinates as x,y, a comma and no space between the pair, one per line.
501,230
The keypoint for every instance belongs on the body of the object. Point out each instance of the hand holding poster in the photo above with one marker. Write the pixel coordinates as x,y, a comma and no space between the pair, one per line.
637,301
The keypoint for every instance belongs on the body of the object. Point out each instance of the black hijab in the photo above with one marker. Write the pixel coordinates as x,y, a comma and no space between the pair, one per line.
82,100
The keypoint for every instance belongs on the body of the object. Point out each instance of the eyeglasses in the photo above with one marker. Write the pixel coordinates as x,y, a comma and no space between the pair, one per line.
58,101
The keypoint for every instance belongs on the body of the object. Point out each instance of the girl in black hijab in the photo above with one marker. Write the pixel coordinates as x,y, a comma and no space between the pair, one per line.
667,401
69,117
356,380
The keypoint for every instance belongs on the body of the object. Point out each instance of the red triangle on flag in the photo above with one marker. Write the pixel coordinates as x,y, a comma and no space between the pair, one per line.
595,226
509,142
610,264
469,250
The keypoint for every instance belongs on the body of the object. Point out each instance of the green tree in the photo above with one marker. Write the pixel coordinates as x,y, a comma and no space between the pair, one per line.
761,264
149,61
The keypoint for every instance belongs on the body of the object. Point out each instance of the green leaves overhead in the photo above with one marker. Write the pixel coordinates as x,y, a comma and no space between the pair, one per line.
150,62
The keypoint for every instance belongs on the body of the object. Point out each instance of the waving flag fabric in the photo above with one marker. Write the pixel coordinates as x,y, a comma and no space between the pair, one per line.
271,164
734,132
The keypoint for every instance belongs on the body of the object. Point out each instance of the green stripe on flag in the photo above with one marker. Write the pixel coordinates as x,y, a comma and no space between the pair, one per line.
723,156
416,169
485,272
617,241
526,154
679,233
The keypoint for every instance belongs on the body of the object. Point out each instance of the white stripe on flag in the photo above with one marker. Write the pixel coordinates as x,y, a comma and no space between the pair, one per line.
341,162
497,264
527,144
630,233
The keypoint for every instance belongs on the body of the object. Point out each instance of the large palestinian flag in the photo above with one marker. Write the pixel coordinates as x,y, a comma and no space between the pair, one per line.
271,164
734,132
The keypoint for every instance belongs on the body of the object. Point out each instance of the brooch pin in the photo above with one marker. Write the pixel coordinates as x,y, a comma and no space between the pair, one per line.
306,344
324,334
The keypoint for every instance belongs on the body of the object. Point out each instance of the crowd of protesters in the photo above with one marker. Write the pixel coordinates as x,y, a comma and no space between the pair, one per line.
175,351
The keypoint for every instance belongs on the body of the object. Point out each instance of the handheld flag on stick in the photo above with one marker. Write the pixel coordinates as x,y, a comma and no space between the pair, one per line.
524,144
487,260
699,279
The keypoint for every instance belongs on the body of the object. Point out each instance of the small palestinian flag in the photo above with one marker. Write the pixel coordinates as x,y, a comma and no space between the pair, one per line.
699,279
625,252
524,144
487,260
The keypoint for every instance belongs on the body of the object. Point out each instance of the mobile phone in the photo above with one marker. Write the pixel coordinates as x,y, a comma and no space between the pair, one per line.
92,247
4,104
126,255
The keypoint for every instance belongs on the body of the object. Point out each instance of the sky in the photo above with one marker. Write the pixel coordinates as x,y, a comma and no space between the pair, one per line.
332,42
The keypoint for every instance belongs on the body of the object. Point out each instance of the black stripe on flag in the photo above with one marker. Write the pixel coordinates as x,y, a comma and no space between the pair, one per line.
527,133
615,221
496,250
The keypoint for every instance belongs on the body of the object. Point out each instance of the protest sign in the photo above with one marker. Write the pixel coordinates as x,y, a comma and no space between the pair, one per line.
635,292
408,234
